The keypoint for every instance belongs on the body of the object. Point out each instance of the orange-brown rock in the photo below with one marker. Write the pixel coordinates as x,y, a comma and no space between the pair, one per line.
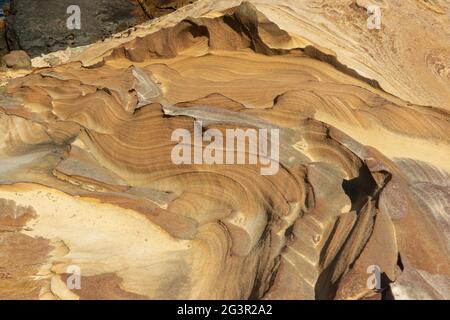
87,177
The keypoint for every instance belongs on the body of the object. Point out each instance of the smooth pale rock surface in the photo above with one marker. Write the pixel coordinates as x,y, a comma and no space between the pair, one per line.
87,178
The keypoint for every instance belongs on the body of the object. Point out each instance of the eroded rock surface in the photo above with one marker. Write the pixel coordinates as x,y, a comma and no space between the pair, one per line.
17,59
87,177
40,27
157,8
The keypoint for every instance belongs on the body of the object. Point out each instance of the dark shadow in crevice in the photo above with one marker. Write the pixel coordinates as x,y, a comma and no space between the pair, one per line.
360,188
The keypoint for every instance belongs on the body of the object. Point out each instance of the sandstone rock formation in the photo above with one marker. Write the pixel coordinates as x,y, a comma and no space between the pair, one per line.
17,59
40,27
88,182
158,8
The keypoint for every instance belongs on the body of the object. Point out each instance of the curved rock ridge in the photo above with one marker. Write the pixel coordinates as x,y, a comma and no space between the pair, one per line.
89,182
416,71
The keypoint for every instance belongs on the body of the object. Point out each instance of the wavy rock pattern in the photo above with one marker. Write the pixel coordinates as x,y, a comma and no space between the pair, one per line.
87,177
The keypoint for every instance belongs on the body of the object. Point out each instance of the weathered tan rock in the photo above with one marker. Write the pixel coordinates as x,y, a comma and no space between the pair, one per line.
17,59
87,177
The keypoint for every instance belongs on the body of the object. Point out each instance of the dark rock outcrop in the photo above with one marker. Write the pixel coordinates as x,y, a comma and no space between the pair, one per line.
3,45
4,9
157,8
41,26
